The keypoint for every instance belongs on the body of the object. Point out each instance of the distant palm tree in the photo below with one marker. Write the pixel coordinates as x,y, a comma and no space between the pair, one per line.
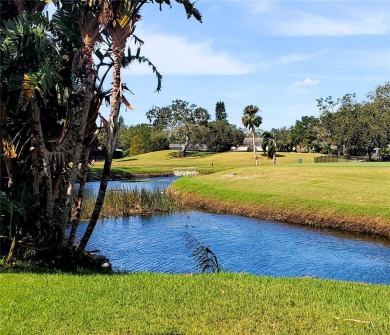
271,150
251,120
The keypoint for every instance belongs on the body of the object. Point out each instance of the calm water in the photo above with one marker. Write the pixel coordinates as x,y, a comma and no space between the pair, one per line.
242,245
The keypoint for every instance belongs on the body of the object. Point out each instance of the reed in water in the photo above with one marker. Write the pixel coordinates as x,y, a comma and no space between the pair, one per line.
125,202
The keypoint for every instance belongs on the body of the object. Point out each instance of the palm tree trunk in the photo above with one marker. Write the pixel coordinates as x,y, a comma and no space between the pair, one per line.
4,141
89,82
254,147
42,154
112,131
80,198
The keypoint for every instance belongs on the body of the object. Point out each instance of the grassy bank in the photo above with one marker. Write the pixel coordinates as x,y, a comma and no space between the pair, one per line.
166,162
177,304
351,196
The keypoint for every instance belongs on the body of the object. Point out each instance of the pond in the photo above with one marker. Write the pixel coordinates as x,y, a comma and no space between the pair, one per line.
241,244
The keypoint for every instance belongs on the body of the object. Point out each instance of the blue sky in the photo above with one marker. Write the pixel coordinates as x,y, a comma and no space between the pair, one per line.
278,55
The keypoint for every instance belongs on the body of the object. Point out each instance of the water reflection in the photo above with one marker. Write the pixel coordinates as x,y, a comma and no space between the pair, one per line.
242,245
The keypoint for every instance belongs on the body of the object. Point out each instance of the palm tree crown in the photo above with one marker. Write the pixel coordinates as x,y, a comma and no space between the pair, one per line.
250,118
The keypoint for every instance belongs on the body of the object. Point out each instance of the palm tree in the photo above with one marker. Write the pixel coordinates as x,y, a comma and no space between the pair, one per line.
271,150
119,19
251,120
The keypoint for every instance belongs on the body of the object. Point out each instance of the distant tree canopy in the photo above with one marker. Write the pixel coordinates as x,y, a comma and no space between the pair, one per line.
181,120
220,136
356,127
303,133
345,126
220,112
146,137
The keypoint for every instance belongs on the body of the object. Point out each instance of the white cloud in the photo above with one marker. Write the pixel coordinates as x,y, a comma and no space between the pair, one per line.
176,55
261,6
307,82
328,18
305,24
297,57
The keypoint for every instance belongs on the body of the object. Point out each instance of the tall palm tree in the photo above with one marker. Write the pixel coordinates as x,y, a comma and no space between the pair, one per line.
251,120
119,19
83,63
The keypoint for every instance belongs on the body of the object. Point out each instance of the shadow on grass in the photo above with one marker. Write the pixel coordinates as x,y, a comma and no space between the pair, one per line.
128,159
277,155
178,154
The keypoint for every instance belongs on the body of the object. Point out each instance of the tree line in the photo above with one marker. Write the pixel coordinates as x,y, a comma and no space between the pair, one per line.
184,124
345,126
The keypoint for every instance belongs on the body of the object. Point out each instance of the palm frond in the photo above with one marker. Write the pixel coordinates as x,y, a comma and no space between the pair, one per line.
206,260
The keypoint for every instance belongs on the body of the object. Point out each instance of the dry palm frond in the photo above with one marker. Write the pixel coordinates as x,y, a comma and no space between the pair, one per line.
206,260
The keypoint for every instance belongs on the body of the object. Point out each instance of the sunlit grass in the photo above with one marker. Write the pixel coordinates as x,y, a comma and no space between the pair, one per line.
363,189
167,161
178,304
356,191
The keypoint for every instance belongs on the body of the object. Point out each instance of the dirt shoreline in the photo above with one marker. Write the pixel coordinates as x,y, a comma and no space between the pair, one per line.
364,225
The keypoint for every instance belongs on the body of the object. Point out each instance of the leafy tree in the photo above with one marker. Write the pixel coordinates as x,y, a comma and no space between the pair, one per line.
251,120
356,127
136,147
159,140
181,120
303,133
378,107
220,112
281,136
220,136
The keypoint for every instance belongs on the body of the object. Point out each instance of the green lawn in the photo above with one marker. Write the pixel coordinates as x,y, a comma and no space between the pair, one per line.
166,161
352,196
179,304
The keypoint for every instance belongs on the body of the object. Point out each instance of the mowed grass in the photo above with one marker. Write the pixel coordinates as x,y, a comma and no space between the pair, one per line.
346,188
166,161
351,196
226,303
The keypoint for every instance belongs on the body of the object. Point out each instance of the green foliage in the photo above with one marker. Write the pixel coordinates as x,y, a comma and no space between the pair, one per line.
250,118
220,112
220,136
51,88
142,138
136,146
181,120
356,127
267,136
303,133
